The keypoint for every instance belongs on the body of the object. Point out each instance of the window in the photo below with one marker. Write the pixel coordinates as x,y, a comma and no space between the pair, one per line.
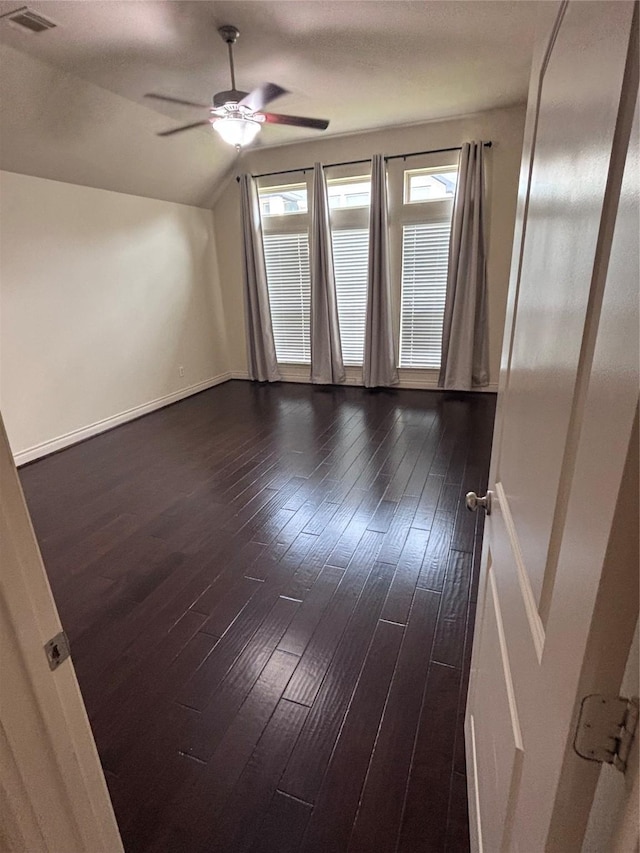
285,223
349,200
287,262
422,185
350,261
349,193
421,201
425,226
425,253
279,201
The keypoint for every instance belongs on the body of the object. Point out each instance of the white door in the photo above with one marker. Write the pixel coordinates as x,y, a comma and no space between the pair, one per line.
53,796
567,400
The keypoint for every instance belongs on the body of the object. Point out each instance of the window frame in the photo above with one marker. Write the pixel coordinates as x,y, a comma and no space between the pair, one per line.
294,297
359,210
403,213
296,222
355,218
428,170
296,185
293,222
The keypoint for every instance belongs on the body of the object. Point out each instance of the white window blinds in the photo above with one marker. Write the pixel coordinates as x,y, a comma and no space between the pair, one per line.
350,261
287,262
425,253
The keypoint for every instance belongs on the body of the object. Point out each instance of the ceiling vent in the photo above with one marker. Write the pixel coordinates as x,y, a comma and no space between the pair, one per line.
29,20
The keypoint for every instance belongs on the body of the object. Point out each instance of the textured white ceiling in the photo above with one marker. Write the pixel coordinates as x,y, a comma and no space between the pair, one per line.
362,65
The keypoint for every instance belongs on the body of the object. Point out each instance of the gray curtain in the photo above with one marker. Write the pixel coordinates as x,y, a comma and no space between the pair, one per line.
327,367
379,368
465,343
261,350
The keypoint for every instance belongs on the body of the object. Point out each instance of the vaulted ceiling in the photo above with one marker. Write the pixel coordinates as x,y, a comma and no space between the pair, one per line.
72,102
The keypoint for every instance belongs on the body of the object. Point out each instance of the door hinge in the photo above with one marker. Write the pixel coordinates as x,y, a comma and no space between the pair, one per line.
57,650
606,727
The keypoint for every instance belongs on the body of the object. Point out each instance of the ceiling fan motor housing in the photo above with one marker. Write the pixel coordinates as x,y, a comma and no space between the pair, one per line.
230,96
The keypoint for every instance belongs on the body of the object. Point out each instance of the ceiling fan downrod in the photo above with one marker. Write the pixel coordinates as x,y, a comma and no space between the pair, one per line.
230,36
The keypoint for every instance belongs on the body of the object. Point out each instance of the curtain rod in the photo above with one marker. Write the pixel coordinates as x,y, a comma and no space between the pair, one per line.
304,169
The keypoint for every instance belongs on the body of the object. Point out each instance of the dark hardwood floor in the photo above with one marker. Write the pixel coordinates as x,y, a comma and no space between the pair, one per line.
270,593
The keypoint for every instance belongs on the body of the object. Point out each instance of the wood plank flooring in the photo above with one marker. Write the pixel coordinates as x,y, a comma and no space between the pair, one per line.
270,596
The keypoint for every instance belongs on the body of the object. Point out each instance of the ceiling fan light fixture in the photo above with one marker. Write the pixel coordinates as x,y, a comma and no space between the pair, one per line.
237,116
237,130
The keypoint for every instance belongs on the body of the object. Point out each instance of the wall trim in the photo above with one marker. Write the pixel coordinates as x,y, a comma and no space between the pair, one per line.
78,435
422,380
416,379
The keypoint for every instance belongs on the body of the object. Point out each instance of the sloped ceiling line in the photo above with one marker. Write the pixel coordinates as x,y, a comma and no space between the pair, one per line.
72,102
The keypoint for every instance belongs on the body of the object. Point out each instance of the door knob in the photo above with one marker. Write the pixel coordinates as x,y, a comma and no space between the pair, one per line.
473,502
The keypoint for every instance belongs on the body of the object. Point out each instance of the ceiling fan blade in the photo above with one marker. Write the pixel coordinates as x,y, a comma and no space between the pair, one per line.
258,99
176,101
297,121
184,127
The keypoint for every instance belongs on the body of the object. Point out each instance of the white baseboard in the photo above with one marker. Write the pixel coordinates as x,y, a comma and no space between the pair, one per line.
417,379
421,380
76,435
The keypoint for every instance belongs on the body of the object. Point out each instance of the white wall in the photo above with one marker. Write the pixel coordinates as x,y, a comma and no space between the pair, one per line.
103,296
504,127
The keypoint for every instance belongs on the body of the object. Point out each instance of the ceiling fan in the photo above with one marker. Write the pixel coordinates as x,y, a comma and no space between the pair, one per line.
238,116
